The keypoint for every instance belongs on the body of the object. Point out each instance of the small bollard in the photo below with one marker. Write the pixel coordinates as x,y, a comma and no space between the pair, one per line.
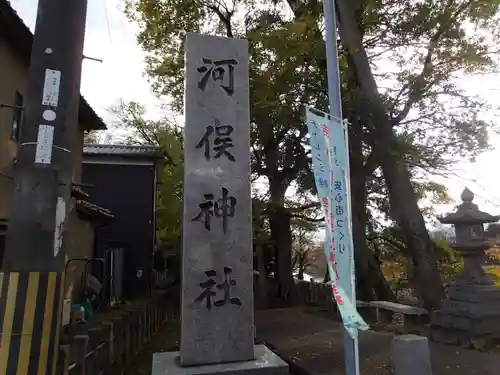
411,355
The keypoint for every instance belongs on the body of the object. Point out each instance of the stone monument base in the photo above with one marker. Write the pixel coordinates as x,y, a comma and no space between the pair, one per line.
470,317
265,363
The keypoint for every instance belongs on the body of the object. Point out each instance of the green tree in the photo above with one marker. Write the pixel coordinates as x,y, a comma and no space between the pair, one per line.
90,137
303,234
288,68
278,92
415,111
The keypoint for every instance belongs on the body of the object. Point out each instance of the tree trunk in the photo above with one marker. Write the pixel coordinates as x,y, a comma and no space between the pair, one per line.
302,260
406,213
300,275
281,235
370,282
402,199
261,278
327,276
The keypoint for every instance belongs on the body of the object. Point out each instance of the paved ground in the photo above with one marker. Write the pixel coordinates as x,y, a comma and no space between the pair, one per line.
313,344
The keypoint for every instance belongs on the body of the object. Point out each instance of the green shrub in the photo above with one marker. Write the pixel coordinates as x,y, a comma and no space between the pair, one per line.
494,272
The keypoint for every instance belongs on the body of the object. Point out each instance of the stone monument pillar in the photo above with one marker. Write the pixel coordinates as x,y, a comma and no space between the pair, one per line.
470,316
217,308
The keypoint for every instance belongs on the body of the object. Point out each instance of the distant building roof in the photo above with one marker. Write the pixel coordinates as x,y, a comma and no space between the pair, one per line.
141,151
20,38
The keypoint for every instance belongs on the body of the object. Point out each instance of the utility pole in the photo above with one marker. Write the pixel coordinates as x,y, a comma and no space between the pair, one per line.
32,277
351,347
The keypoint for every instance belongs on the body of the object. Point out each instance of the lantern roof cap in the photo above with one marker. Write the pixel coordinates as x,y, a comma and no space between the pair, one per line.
468,212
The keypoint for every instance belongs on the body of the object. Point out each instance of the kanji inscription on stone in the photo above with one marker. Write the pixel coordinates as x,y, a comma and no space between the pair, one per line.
217,271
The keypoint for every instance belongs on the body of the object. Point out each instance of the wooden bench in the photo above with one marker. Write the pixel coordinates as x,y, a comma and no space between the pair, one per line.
411,316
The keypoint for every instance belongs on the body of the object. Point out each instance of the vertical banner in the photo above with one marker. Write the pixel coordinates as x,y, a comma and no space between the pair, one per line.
330,167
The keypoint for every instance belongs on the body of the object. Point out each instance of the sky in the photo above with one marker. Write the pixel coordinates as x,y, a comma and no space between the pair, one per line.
111,37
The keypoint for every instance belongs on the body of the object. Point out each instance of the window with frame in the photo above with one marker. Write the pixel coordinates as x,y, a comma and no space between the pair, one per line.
18,117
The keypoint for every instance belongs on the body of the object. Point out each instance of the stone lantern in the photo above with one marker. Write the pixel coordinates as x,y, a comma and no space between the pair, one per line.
470,315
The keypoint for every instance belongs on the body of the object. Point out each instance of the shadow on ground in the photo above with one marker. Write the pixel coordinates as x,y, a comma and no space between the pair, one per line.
314,345
166,340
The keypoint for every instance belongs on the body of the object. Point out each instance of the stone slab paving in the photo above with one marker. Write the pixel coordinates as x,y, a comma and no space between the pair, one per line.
314,344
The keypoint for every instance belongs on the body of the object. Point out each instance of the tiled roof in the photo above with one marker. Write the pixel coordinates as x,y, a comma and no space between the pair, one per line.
15,32
123,150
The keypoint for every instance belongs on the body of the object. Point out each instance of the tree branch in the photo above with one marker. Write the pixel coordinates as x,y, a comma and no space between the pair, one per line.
310,219
225,19
417,88
305,207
